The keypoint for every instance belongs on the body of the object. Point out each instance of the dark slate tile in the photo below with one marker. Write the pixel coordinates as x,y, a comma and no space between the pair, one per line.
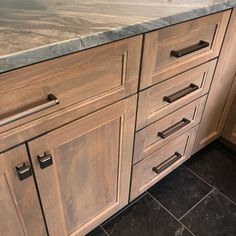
214,216
145,217
97,232
216,168
180,191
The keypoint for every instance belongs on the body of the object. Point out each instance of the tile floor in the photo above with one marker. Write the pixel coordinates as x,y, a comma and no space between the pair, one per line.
198,198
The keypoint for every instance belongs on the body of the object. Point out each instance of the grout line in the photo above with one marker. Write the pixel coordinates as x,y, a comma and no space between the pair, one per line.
104,230
225,196
123,209
170,213
216,189
196,204
198,176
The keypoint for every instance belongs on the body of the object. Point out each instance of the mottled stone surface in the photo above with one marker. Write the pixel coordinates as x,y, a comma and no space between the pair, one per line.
180,191
35,30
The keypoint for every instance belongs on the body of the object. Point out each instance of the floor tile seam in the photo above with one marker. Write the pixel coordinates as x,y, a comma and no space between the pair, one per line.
104,230
170,213
196,204
218,191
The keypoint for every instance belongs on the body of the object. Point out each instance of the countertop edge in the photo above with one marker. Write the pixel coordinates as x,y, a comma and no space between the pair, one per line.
36,55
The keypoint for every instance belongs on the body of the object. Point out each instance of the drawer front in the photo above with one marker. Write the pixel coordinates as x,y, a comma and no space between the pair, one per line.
92,78
174,49
162,162
168,96
168,128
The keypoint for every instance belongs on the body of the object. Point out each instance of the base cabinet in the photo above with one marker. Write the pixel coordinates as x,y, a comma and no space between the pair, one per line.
20,212
83,169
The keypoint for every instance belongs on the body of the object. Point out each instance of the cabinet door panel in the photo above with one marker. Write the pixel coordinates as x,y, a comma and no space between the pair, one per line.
19,204
89,178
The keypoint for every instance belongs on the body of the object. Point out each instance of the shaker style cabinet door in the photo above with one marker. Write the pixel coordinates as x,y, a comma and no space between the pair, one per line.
20,213
83,169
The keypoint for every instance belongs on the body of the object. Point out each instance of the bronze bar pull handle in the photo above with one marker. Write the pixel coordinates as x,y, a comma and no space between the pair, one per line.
167,163
52,101
180,53
174,128
23,171
182,93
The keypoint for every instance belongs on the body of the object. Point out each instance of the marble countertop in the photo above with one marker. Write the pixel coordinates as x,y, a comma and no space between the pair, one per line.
36,30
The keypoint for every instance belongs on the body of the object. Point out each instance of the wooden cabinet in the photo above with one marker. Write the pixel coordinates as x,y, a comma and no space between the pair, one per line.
89,178
20,211
177,48
217,106
229,132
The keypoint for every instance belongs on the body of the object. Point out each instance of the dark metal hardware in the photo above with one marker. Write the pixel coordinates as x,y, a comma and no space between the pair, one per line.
52,101
45,160
24,171
174,128
183,92
202,44
167,163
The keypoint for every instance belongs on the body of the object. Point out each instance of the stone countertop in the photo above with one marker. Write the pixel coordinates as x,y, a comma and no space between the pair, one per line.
36,30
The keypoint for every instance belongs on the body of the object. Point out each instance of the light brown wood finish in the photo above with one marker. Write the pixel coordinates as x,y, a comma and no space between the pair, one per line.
158,64
20,211
147,140
144,177
217,106
90,176
151,106
92,78
229,132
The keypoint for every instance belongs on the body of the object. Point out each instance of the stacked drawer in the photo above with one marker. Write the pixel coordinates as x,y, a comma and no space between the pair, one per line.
177,70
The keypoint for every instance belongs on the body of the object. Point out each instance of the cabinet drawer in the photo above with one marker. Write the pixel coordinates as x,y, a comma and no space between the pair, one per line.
168,96
162,162
92,78
168,128
174,49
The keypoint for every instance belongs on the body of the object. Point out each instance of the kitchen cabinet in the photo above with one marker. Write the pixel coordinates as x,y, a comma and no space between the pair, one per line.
83,169
20,210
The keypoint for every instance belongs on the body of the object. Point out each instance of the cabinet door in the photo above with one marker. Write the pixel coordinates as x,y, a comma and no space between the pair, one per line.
217,105
89,176
20,211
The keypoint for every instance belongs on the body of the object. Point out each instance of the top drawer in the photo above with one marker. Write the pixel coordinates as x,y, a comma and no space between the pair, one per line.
174,49
92,78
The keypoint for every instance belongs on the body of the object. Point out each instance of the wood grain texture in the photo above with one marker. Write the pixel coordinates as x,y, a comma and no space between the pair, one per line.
158,64
152,107
217,106
143,177
85,82
90,176
20,211
229,131
147,140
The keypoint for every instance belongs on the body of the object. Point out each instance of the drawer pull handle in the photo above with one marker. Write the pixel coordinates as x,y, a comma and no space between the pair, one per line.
182,93
202,44
174,128
45,160
52,101
24,171
171,160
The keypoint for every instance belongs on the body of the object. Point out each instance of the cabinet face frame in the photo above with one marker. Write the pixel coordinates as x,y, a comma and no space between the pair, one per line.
219,99
120,115
22,215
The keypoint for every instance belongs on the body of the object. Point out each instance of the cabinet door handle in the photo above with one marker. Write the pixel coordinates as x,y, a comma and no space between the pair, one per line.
181,93
24,171
180,53
45,160
52,101
174,128
167,163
